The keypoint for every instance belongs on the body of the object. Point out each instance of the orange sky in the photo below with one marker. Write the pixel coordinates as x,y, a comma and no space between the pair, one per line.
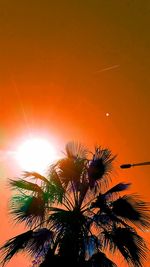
63,66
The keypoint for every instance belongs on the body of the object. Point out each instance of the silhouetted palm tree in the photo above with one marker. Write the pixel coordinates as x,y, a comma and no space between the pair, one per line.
72,216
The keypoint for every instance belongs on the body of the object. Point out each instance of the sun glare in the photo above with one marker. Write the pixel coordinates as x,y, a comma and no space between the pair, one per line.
36,154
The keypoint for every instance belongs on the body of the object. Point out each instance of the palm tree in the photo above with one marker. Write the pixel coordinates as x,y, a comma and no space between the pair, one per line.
73,218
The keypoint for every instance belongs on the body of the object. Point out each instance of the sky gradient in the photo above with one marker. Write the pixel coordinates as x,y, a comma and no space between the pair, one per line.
64,65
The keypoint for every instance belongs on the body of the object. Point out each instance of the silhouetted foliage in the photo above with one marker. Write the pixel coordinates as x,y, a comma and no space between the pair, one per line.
74,218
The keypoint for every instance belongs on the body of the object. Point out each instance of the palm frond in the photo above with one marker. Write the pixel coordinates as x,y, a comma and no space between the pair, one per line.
100,259
101,199
35,175
53,193
32,241
103,220
70,170
100,202
22,184
116,189
41,237
30,209
54,176
76,150
100,166
129,243
131,208
70,218
56,186
14,245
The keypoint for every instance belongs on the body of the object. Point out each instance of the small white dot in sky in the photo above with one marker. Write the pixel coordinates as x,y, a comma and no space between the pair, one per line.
107,114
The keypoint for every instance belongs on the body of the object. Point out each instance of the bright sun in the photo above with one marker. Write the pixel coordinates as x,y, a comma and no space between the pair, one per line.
35,154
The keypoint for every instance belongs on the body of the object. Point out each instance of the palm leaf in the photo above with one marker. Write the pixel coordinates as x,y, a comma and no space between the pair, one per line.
53,193
129,243
70,169
100,166
116,189
54,177
100,259
22,184
32,242
56,185
14,245
30,209
131,208
66,217
70,172
35,175
103,219
101,199
76,150
41,237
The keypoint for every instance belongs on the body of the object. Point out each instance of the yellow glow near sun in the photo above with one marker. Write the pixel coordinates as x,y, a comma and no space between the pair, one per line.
35,154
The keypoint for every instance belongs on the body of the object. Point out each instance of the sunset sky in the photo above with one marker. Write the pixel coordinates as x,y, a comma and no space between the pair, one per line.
63,66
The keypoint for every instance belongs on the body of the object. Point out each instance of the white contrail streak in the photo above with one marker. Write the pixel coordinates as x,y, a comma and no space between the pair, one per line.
109,68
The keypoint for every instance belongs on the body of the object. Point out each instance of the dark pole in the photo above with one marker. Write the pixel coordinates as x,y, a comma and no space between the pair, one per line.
126,166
